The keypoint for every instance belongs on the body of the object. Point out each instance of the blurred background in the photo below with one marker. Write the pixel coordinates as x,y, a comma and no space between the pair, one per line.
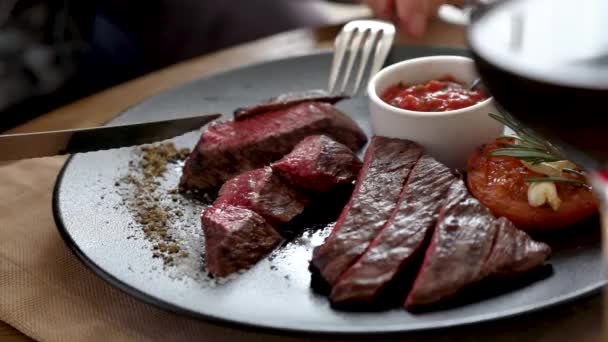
53,52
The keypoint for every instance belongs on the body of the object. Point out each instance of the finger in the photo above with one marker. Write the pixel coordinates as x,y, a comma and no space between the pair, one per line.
413,16
383,9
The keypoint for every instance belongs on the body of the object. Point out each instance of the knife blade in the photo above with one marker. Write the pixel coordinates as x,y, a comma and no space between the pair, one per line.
51,143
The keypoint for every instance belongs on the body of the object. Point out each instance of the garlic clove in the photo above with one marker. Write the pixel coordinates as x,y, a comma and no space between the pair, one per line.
543,193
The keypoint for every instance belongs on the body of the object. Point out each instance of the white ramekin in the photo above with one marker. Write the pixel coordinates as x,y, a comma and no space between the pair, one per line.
449,136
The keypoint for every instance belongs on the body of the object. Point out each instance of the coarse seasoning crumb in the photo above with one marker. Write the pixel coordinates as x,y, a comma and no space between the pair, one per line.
146,204
155,158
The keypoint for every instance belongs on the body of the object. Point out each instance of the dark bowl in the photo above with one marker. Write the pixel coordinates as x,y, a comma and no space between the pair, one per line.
571,116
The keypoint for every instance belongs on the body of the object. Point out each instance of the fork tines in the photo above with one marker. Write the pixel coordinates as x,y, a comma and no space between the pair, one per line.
355,43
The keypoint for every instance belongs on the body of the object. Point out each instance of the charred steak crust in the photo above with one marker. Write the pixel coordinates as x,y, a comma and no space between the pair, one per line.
386,167
232,147
286,100
397,249
468,245
227,226
265,193
318,164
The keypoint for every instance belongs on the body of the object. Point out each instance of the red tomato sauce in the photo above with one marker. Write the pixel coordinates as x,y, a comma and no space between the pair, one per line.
433,96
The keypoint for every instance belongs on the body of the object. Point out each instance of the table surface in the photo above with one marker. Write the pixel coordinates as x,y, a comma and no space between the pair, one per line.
100,108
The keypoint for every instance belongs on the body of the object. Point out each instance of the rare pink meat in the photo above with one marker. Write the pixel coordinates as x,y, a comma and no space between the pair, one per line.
235,239
232,147
265,193
318,164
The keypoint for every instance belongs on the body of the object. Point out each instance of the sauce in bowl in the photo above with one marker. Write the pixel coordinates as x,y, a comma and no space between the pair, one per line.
439,95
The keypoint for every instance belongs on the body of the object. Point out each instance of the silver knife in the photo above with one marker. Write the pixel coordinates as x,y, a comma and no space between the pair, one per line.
51,143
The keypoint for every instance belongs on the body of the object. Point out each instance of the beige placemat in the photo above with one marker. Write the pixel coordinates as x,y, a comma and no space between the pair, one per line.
46,293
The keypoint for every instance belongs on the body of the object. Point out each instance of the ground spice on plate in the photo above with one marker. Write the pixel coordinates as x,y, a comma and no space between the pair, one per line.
146,203
155,158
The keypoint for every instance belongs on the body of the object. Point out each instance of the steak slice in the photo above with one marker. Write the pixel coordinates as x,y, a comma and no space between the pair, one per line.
399,246
386,167
318,164
468,245
235,239
514,252
265,193
461,242
233,147
286,100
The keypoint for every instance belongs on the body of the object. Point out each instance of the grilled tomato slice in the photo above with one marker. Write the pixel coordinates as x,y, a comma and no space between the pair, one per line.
499,183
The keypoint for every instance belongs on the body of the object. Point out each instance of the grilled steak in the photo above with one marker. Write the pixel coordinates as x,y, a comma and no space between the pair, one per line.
386,166
235,239
265,193
400,244
286,100
230,148
318,164
462,242
514,252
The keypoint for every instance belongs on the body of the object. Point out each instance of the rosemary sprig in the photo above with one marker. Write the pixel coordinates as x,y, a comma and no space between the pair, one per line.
531,155
574,172
508,144
525,135
529,147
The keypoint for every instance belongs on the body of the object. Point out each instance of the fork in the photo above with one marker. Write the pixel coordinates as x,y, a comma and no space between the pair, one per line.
353,47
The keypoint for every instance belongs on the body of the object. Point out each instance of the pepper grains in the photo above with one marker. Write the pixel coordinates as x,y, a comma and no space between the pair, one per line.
142,198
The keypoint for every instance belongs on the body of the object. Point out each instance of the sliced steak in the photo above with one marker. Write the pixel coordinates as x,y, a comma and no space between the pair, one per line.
265,193
230,148
235,239
386,167
396,252
319,164
468,245
461,242
514,252
286,100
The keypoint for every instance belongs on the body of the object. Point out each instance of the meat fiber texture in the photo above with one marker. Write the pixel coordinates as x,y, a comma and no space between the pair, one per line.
247,209
265,193
468,245
513,252
227,226
375,280
386,166
319,164
277,202
227,149
286,100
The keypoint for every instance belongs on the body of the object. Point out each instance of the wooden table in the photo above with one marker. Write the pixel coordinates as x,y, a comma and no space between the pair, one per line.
100,108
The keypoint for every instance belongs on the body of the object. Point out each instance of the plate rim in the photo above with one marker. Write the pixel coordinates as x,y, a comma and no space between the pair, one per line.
147,298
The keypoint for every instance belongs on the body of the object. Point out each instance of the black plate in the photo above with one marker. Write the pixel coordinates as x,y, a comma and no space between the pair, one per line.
275,293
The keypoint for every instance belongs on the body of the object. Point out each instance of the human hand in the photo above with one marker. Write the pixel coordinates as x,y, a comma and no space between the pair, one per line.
411,15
